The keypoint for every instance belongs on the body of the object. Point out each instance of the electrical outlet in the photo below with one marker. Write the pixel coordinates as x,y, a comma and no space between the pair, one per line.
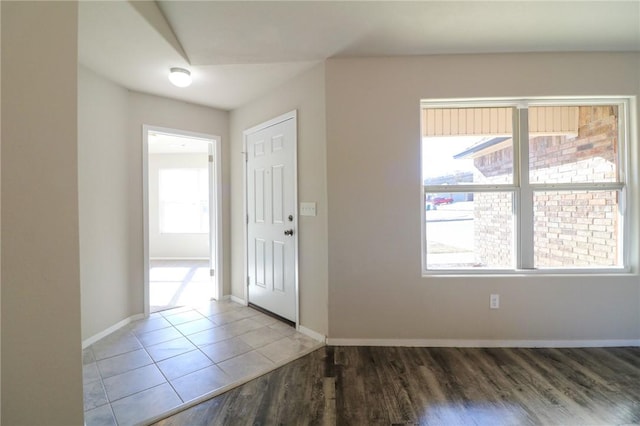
494,301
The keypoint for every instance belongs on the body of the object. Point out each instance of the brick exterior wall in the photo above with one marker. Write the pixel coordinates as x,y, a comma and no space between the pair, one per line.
494,239
574,228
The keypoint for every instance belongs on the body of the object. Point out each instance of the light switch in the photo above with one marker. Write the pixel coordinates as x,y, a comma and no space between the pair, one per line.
307,209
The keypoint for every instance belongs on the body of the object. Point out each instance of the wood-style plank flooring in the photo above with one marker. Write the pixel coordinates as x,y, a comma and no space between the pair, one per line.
435,386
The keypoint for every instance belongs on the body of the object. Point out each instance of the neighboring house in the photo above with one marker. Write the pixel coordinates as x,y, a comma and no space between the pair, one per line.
460,177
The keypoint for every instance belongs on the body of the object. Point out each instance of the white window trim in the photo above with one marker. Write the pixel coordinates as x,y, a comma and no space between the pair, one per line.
523,250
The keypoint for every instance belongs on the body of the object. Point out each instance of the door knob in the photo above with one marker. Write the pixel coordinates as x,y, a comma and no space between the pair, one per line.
288,232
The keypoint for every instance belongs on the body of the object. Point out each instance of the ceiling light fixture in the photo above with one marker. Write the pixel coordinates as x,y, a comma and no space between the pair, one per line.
180,77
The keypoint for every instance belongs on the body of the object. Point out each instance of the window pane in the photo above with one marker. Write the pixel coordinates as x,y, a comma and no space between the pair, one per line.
463,146
569,144
184,201
576,229
180,218
178,184
469,230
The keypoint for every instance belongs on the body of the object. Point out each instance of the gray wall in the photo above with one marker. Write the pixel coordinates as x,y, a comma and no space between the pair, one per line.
103,187
41,344
306,94
373,160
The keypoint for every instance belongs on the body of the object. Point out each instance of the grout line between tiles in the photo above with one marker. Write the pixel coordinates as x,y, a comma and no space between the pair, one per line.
187,404
230,386
169,382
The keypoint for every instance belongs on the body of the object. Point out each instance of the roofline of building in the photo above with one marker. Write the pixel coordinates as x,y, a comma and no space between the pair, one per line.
480,147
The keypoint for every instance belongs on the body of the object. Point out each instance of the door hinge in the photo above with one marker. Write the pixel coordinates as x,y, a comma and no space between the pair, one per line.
212,272
211,158
247,219
248,281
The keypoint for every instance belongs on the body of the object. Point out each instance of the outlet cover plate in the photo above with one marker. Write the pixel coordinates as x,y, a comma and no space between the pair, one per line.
494,301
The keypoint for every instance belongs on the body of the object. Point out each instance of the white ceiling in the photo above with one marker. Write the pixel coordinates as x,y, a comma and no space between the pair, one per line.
237,50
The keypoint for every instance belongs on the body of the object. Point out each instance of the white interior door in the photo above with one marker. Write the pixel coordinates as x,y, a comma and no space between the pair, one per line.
271,209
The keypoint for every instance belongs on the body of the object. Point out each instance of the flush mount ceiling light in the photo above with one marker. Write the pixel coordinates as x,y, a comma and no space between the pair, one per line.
180,77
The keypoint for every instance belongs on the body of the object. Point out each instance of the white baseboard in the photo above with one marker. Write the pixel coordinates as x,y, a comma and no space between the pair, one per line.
91,340
454,343
238,300
313,334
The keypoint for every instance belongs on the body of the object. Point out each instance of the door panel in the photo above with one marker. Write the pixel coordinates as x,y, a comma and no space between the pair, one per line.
278,265
260,264
259,195
272,211
277,174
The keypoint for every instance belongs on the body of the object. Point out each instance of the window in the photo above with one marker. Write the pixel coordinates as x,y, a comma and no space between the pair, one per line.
527,185
184,201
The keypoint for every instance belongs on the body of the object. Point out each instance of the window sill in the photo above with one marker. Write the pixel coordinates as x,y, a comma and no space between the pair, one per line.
601,272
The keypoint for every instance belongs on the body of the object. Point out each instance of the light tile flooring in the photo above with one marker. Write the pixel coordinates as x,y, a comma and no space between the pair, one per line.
182,356
174,283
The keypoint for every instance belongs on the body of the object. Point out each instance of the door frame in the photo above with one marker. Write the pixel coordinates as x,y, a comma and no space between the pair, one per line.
245,134
215,193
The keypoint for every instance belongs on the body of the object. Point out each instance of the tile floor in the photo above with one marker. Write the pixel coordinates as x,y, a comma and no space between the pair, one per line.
174,283
175,358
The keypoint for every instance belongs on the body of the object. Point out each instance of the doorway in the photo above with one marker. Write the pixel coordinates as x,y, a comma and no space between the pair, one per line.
182,222
272,216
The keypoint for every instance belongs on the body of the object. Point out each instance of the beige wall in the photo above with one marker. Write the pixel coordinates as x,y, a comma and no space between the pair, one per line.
0,223
173,246
306,94
103,186
110,121
163,112
41,338
373,160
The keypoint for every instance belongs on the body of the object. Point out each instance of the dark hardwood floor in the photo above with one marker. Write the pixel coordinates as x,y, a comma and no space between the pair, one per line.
435,386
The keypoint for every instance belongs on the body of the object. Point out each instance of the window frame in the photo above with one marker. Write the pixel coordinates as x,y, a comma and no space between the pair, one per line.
523,191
